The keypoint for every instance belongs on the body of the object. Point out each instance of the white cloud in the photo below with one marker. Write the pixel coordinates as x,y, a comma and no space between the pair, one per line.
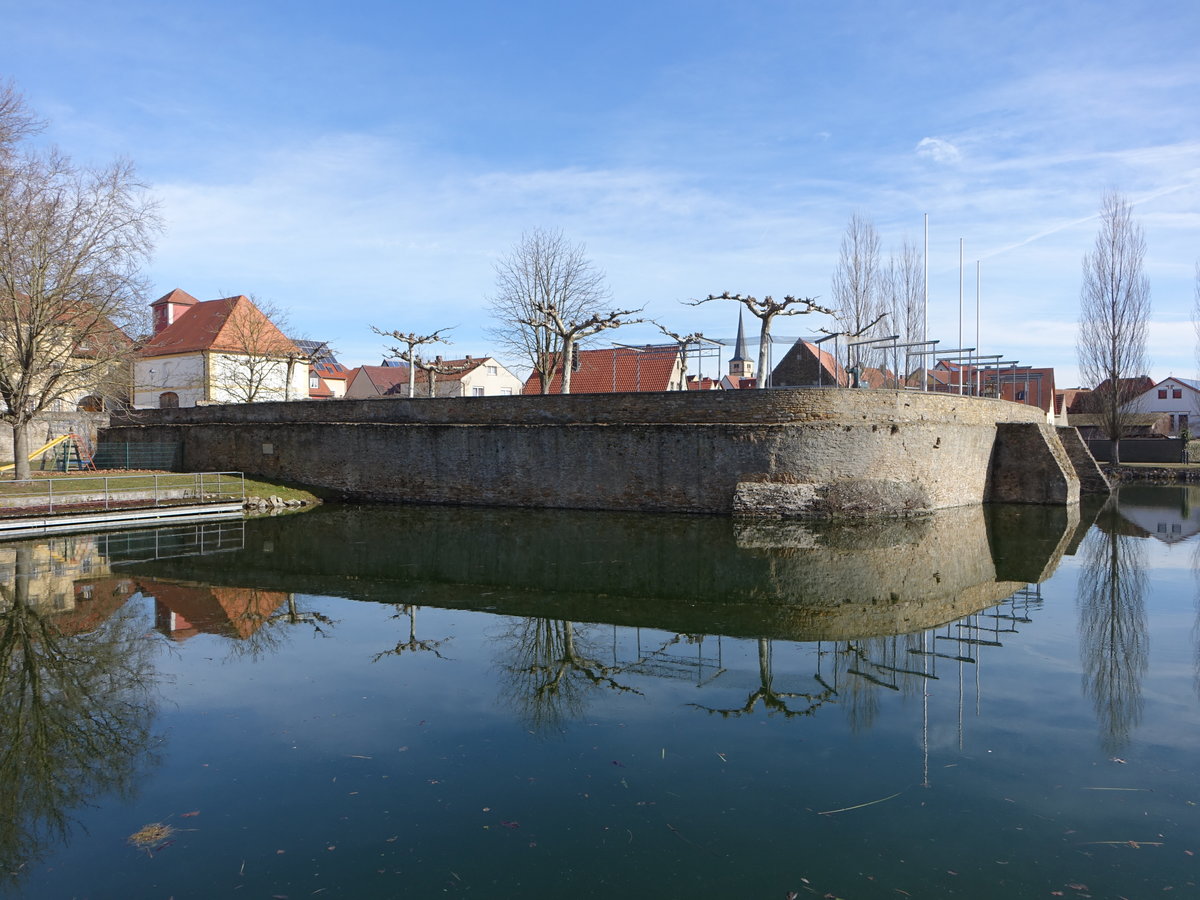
938,150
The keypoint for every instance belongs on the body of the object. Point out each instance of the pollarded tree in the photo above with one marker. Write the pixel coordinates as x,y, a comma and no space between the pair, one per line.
544,272
570,332
411,341
767,310
1114,311
72,242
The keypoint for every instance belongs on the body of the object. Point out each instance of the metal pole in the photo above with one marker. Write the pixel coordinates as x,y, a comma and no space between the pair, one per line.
960,307
925,329
977,392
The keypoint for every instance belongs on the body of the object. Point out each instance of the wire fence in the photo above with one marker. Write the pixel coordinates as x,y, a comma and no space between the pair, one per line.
99,492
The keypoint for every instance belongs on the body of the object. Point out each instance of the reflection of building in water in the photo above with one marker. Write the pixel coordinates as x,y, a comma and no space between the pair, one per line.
1170,514
184,610
70,577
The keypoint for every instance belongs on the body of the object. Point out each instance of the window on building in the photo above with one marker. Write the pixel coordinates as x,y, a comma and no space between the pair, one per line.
1177,393
1162,395
168,400
476,392
506,392
1183,422
493,370
1020,396
314,382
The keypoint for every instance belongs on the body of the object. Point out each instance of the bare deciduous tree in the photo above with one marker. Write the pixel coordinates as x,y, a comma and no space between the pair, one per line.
17,121
905,294
766,310
72,241
411,341
544,271
1114,309
259,355
858,288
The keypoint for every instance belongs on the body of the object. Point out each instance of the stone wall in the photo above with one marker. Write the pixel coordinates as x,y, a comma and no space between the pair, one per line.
873,452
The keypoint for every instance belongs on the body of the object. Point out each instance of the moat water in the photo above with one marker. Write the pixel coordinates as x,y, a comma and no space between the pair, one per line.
419,702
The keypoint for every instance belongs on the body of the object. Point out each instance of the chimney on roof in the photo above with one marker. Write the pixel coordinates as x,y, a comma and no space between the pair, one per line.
468,357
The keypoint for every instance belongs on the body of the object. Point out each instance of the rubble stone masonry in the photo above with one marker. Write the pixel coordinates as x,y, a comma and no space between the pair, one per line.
807,452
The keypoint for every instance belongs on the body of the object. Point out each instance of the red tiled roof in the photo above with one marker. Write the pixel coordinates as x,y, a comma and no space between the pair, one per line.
336,371
616,370
464,366
233,612
382,378
322,391
231,324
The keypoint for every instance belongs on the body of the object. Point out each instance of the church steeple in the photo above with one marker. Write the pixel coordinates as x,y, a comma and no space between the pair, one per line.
739,365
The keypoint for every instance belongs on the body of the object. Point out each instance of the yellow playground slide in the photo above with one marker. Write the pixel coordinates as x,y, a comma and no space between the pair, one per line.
39,451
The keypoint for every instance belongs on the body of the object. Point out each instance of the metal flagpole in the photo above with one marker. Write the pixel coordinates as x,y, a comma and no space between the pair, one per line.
960,307
925,330
977,386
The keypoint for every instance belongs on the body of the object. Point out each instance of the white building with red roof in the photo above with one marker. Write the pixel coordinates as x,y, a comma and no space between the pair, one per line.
216,351
1176,397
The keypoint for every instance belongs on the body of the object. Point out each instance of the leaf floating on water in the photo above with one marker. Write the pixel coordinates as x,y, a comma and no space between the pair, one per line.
507,824
188,815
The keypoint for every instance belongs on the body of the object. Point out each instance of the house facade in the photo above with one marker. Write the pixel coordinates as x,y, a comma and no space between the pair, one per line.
215,351
471,376
1177,398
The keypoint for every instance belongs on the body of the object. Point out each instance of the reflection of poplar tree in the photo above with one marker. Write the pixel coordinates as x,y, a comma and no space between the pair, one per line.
552,670
774,701
75,711
1112,626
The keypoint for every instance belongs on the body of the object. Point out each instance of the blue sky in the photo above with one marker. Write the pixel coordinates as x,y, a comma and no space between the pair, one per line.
366,163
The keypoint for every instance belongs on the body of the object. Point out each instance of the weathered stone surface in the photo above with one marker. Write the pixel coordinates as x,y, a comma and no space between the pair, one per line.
904,451
1091,478
1029,465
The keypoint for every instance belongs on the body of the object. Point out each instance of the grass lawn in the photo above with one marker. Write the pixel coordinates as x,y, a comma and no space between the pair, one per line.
126,480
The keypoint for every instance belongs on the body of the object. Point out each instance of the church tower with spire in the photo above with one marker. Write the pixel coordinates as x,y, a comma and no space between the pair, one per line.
740,366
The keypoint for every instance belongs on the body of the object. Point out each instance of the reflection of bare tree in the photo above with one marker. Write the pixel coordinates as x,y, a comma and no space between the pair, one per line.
413,644
75,711
774,701
266,632
551,671
1113,641
1196,626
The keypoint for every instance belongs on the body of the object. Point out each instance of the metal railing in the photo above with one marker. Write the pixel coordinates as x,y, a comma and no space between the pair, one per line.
117,491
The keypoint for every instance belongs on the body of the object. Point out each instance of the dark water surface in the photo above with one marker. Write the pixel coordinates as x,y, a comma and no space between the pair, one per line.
423,702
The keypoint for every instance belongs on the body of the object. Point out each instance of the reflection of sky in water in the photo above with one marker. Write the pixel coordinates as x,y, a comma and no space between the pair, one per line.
421,745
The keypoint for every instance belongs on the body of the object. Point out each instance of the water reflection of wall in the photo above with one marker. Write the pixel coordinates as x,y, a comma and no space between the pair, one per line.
682,574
